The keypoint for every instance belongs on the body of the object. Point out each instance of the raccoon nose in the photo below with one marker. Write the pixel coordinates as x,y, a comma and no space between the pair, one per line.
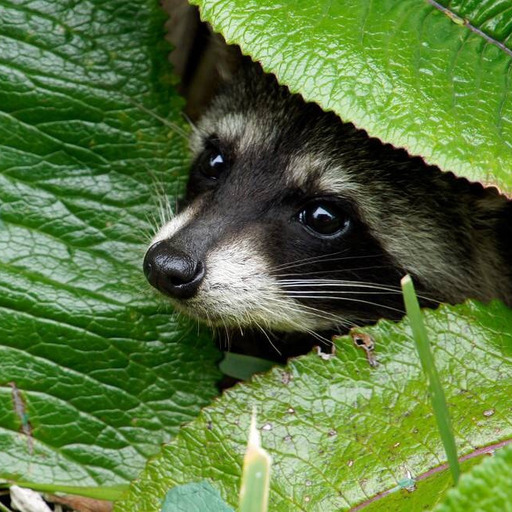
171,271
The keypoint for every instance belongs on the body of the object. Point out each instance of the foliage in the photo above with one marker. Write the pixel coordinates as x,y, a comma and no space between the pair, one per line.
485,487
340,431
430,77
93,373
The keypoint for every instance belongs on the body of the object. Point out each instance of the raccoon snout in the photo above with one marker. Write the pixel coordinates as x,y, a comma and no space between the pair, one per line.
173,272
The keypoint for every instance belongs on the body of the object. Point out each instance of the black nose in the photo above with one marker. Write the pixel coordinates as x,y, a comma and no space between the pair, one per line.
171,271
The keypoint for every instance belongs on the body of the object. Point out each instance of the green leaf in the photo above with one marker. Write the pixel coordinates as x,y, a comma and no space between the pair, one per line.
196,496
340,431
95,372
486,487
243,367
421,495
432,80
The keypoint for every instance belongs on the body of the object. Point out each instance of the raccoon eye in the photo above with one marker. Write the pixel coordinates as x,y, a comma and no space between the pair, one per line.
214,164
324,218
213,161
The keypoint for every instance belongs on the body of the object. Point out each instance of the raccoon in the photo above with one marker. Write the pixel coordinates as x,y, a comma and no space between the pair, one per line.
296,222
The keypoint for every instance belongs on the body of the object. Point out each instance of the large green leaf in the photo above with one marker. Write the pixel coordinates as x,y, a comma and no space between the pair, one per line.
340,431
431,79
94,370
487,487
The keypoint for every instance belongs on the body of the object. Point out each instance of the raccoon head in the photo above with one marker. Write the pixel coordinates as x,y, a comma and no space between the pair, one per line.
296,221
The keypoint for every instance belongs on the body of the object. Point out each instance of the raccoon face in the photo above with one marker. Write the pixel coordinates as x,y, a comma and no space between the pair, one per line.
298,222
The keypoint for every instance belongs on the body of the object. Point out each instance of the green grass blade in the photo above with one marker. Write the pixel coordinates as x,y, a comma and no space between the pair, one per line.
427,362
3,508
256,474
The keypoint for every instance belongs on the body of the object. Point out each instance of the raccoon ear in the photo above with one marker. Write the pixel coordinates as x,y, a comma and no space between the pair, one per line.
200,57
227,58
217,65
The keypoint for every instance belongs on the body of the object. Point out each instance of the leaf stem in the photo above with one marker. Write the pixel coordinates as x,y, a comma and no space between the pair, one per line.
427,362
111,493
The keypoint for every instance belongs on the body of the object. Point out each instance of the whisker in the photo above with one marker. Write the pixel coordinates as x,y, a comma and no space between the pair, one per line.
336,271
173,126
316,313
311,258
311,283
268,338
290,284
148,233
324,258
227,338
337,322
191,123
322,339
335,282
344,292
349,299
162,212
